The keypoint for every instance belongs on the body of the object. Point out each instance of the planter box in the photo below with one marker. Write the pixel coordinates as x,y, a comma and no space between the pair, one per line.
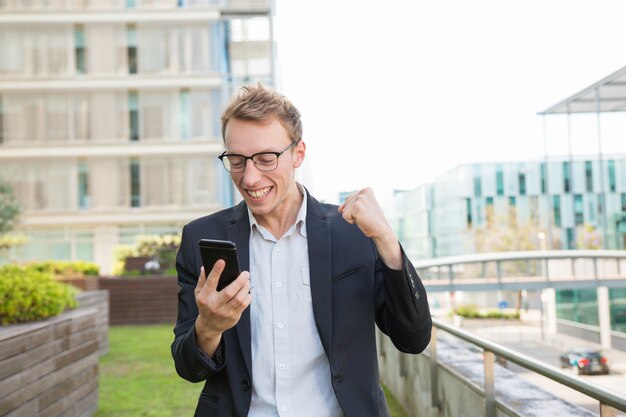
141,300
50,367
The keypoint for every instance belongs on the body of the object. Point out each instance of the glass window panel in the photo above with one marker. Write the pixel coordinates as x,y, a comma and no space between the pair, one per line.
580,306
202,115
108,117
154,49
109,181
12,52
57,118
158,115
617,306
109,57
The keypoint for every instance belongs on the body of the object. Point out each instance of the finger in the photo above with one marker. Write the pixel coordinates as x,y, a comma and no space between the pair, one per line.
201,281
242,298
214,275
230,291
347,215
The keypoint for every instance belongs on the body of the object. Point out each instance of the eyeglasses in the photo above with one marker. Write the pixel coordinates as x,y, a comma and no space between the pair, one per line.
263,161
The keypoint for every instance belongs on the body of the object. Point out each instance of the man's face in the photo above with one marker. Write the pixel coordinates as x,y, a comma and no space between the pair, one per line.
265,192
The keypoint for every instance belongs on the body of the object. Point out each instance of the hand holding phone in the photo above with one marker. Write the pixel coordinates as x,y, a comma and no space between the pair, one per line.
211,251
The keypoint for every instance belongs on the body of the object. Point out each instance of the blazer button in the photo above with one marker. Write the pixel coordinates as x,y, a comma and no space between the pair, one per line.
245,385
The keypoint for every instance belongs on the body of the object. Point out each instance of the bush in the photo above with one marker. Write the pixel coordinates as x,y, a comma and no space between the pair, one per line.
65,268
160,248
27,295
472,312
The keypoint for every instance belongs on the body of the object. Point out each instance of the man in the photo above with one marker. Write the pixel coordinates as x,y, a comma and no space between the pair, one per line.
294,334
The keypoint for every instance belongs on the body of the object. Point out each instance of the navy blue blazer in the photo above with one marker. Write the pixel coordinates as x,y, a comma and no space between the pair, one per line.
351,289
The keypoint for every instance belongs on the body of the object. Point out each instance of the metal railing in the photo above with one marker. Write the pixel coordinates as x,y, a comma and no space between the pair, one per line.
523,269
609,401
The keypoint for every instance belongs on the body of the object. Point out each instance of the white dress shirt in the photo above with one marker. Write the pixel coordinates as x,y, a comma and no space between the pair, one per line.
290,370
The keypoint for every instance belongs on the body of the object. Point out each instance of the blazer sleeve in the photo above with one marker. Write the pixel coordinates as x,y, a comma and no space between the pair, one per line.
191,363
402,306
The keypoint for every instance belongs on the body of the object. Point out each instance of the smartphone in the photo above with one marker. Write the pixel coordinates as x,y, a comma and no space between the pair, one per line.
212,250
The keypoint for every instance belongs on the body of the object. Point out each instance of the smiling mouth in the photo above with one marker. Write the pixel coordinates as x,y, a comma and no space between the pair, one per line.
260,193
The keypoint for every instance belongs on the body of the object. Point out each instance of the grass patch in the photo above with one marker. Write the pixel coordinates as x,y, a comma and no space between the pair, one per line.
137,376
138,379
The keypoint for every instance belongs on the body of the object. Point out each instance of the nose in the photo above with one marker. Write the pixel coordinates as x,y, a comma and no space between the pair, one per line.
251,174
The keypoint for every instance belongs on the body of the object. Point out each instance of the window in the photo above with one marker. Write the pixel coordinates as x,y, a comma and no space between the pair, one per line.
489,201
478,189
185,113
79,49
623,201
499,180
135,185
512,201
1,123
131,4
468,207
131,35
542,168
612,184
566,177
588,176
578,209
571,243
133,110
556,204
521,179
83,185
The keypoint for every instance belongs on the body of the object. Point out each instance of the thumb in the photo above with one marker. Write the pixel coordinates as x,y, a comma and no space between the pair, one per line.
214,275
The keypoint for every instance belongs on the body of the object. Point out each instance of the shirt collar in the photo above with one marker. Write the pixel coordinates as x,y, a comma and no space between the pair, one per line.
300,223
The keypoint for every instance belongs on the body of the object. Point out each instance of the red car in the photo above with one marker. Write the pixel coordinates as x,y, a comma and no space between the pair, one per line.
585,361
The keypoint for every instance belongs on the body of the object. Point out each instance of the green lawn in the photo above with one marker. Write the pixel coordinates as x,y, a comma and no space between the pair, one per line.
137,377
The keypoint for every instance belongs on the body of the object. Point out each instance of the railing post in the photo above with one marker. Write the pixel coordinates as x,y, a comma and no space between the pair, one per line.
607,410
434,374
490,389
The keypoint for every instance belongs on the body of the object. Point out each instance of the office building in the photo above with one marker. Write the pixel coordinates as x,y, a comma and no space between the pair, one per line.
564,199
109,114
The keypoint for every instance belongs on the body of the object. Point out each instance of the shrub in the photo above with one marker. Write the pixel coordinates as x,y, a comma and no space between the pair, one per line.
472,312
65,268
27,295
161,248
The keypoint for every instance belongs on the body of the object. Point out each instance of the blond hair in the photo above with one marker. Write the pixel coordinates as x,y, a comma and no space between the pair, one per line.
257,103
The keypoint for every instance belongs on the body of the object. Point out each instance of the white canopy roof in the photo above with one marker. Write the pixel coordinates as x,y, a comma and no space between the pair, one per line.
611,94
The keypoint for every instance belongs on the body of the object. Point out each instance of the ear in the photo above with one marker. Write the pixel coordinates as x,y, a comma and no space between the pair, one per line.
299,154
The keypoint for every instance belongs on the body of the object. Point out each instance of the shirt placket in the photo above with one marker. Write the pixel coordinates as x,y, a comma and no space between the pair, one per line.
280,302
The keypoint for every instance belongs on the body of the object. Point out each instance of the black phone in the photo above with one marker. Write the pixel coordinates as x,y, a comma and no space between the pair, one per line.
212,250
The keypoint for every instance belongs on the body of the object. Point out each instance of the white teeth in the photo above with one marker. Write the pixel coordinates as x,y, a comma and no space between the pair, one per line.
259,193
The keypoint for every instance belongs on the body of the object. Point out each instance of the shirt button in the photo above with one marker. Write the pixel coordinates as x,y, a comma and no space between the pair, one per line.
279,284
283,408
280,325
277,248
282,366
417,295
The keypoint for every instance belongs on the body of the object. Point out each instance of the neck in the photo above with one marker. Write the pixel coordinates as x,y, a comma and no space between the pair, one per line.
279,221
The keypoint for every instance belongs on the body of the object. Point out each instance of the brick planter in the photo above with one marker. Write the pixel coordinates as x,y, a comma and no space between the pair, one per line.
50,367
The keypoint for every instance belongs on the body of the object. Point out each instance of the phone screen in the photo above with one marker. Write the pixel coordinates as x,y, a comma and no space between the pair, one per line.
211,251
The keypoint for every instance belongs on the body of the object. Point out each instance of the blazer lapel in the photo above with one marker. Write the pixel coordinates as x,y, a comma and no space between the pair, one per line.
239,232
318,236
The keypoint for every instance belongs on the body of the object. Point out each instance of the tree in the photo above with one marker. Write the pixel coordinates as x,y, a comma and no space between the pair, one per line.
9,208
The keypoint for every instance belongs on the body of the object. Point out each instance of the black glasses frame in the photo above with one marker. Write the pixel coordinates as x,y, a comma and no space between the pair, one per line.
252,158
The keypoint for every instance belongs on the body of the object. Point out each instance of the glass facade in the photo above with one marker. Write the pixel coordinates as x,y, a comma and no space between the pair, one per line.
464,197
580,306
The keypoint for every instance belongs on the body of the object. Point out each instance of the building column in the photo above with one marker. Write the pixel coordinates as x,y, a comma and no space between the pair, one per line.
548,300
604,317
105,238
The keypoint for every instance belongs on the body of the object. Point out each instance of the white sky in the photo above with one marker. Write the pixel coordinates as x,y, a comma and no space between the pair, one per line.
394,93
